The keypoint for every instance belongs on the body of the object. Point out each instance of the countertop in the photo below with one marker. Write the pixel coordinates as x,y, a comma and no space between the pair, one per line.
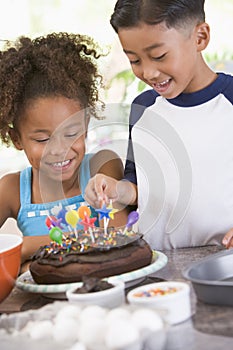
210,327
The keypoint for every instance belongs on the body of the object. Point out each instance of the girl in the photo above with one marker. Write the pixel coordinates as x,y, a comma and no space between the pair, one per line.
48,91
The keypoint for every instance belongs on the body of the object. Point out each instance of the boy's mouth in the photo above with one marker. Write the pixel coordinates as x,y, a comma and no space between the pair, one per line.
161,87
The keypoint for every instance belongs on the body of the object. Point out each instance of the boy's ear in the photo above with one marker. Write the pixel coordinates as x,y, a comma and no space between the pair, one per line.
202,36
15,138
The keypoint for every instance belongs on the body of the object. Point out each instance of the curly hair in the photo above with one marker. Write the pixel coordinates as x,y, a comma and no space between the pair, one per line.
59,64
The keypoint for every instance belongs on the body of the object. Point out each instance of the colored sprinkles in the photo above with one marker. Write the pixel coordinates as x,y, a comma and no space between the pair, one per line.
155,292
83,243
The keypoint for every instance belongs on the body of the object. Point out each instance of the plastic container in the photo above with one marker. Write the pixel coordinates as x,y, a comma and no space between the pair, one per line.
10,259
109,298
171,298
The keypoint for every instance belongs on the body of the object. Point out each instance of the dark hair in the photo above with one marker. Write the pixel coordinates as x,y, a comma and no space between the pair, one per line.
174,13
59,64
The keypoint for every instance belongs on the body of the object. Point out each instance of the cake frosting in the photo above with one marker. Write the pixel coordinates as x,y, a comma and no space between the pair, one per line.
77,256
91,252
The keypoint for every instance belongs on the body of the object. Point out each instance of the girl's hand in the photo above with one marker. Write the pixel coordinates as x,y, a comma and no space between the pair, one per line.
228,239
102,188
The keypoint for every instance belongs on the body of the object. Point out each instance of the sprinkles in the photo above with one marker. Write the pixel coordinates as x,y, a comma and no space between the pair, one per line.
155,292
81,244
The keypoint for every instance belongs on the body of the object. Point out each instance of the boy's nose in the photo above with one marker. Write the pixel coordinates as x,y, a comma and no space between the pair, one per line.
150,72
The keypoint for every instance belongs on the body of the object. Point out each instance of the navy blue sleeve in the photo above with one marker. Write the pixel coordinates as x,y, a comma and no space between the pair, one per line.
140,103
228,90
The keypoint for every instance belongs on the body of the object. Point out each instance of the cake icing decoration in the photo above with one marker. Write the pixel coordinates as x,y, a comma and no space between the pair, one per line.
91,237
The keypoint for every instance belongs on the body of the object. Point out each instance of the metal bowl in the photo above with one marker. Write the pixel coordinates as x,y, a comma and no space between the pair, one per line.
212,278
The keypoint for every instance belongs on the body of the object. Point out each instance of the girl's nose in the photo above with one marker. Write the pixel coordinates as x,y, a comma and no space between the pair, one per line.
57,146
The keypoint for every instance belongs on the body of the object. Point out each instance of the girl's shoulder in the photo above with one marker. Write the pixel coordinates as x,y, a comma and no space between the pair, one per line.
10,179
107,162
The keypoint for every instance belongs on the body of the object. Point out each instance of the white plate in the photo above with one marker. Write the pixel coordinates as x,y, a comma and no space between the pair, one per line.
26,282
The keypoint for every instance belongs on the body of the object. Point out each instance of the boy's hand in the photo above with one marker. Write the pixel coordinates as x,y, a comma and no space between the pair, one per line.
228,239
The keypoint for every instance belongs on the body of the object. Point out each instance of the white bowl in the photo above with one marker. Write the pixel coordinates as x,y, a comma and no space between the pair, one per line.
110,298
175,305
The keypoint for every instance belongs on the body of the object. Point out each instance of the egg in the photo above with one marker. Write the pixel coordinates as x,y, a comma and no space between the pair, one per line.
65,330
121,335
92,311
118,313
40,329
145,319
91,333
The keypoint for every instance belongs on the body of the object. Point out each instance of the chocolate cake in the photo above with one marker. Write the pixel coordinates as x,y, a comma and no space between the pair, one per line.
100,255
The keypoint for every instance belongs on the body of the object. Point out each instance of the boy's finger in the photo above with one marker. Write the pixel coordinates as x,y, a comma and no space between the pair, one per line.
228,239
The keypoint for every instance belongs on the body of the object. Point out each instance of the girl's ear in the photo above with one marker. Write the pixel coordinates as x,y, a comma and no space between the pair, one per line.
202,36
15,138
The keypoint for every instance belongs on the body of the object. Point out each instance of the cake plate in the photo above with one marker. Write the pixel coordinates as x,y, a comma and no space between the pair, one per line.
58,291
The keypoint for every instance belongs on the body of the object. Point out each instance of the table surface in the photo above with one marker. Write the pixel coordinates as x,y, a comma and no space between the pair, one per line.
210,327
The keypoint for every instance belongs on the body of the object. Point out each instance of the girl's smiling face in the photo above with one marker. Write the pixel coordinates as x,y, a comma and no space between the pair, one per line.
167,59
52,133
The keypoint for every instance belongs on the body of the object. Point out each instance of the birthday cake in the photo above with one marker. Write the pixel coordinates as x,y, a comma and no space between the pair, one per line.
93,252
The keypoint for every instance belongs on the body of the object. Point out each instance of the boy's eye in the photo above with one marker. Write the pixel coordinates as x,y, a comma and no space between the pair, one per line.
159,57
133,61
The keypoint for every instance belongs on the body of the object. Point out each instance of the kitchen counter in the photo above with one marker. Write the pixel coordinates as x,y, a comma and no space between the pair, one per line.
210,327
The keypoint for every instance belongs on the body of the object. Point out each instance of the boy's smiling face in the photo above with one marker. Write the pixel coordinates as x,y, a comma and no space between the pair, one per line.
167,59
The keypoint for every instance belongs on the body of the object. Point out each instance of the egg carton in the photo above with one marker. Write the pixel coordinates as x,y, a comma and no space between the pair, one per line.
62,325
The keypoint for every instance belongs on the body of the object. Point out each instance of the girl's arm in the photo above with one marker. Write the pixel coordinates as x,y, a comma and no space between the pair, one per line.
9,207
31,244
9,197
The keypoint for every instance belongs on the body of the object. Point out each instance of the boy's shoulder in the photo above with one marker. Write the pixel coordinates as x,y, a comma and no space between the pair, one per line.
146,98
223,85
227,90
140,103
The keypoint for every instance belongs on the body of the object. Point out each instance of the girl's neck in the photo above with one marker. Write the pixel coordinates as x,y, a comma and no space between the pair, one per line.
46,190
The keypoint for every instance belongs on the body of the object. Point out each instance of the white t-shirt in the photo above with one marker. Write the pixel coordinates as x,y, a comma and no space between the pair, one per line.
183,151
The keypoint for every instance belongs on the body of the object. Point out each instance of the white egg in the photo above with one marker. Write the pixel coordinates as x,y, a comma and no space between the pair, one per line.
78,346
66,330
91,332
121,334
118,313
40,329
92,311
146,319
68,311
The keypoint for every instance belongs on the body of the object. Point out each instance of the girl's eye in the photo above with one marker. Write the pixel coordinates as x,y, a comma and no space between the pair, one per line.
72,134
42,140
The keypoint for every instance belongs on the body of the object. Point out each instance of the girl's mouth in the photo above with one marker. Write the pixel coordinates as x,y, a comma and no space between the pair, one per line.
61,166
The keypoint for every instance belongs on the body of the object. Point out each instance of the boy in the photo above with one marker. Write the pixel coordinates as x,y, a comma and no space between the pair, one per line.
180,144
